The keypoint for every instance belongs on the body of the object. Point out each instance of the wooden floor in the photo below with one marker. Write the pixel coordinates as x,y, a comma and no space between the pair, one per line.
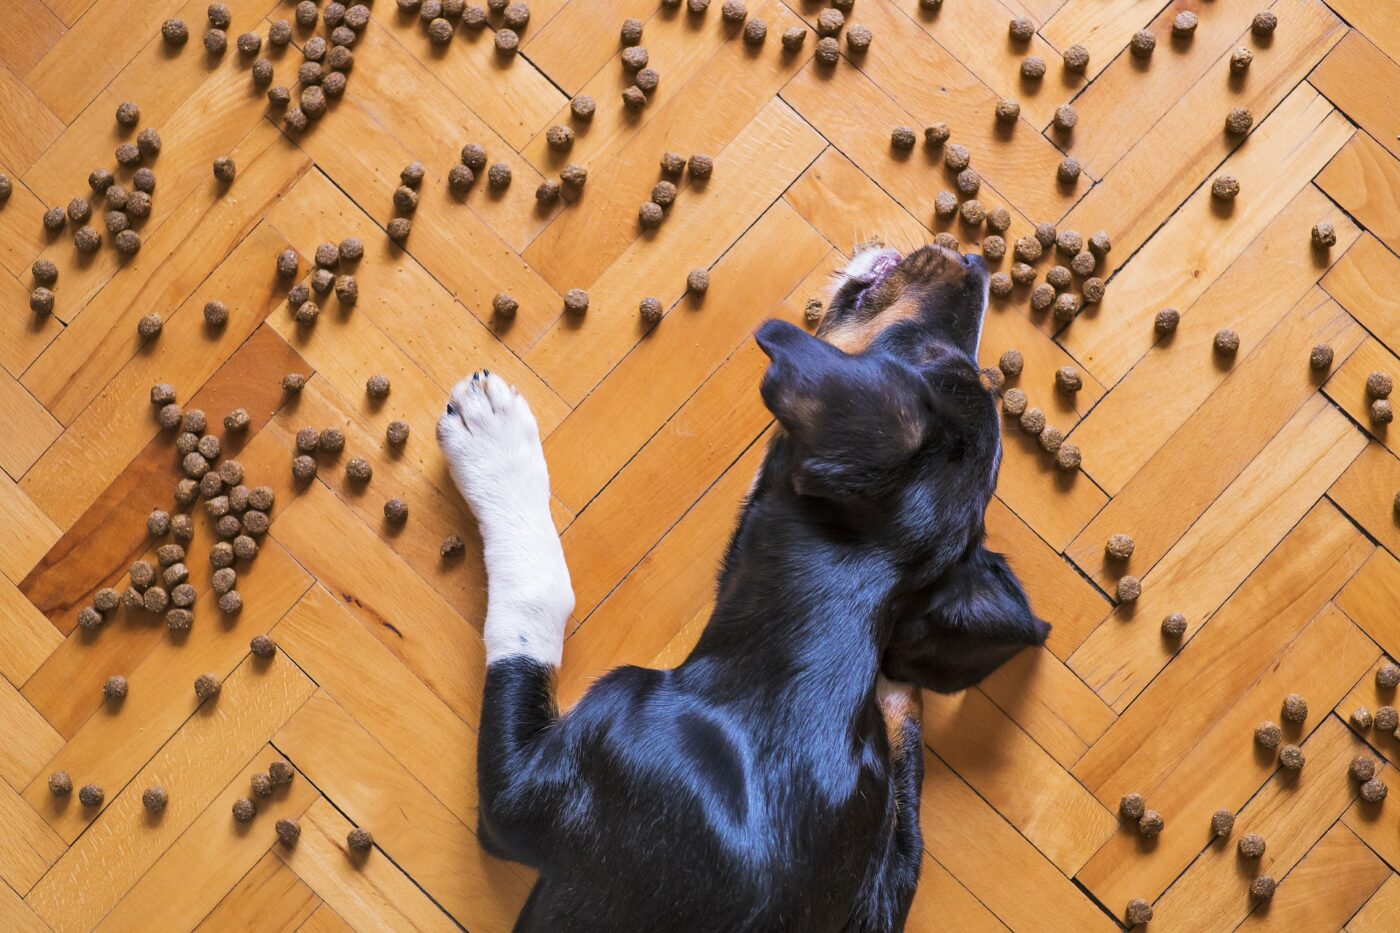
1259,493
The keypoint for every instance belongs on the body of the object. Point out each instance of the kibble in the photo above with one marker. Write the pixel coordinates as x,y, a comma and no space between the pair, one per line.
60,784
169,554
1022,29
87,240
973,213
1066,306
1225,188
1222,823
1379,385
936,135
828,51
1028,249
1185,23
1069,170
1263,887
1033,421
1240,60
1264,23
1150,824
1076,59
303,468
902,137
1361,718
1033,67
231,602
945,204
1226,342
89,618
1174,625
1381,412
576,301
55,219
1139,912
1295,708
1092,290
1083,263
91,795
1252,845
1132,806
1129,589
830,22
1007,111
452,546
1143,43
1291,757
968,182
228,526
175,32
956,157
812,312
114,688
1387,675
1374,790
1000,285
1386,720
221,555
155,599
1324,235
1166,320
288,832
858,37
244,810
359,839
1362,768
698,281
396,511
1013,402
1068,458
358,469
215,41
1069,242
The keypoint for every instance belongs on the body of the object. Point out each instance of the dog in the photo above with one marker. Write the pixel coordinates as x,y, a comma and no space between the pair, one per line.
771,781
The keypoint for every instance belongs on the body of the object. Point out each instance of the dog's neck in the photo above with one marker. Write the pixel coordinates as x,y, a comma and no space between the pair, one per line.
785,620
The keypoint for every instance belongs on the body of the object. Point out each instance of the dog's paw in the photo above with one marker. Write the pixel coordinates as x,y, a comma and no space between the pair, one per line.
492,445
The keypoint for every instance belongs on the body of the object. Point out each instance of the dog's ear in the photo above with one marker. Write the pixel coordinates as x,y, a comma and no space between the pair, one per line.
974,620
846,416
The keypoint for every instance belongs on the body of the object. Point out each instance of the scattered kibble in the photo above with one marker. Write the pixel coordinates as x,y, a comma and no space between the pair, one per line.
288,831
956,157
1012,362
1119,547
359,840
1240,60
1387,675
1361,718
1291,757
262,646
1222,823
1033,67
1225,188
1129,589
1066,306
1381,412
1263,887
1065,117
1000,285
358,469
1374,790
828,51
175,32
60,784
1252,845
1033,421
1139,912
1362,768
207,685
1068,458
1174,625
1150,824
397,432
1007,111
91,795
1068,380
650,310
396,511
1185,23
1264,23
1379,385
1166,320
1227,342
1022,29
452,546
1068,171
1143,43
87,240
244,810
114,688
1295,708
1132,806
154,799
1076,59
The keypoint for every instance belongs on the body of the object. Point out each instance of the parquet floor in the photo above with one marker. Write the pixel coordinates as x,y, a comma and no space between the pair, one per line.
1259,492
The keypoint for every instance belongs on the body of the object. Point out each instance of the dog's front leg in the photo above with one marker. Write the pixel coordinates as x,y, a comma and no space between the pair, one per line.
492,445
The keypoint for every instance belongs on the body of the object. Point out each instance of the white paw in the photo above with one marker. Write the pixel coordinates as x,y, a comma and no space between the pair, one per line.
492,445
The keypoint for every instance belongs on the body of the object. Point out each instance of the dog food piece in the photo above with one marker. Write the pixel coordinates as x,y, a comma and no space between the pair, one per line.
1225,188
1033,421
936,135
507,41
1068,380
114,688
44,272
87,240
231,603
1068,458
452,546
41,301
793,38
1379,385
307,313
1065,118
221,555
1092,290
79,210
288,832
137,204
303,467
902,137
734,11
576,301
244,810
89,618
245,548
858,37
215,41
1320,358
459,179
219,15
1083,263
1050,439
359,840
227,527
396,511
1362,768
828,51
1263,887
1150,824
1143,43
650,309
279,34
169,416
473,157
250,44
1174,625
1013,402
127,242
1042,297
1166,320
992,378
968,182
262,647
439,31
631,31
60,784
1386,720
700,166
1068,242
256,522
1076,59
143,179
91,795
1100,245
1139,912
1012,362
169,554
973,213
956,157
377,386
1008,111
663,193
261,783
1068,172
1251,845
1295,708
1239,120
829,22
1033,67
498,176
183,596
1240,60
155,599
945,204
1184,24
175,32
55,219
1291,757
1387,675
397,432
313,101
162,393
1000,285
281,772
106,599
1264,23
1222,822
182,527
224,578
1129,588
1132,806
1381,412
1066,306
175,574
516,16
154,799
1022,29
998,218
1361,718
158,522
1374,790
142,574
1028,249
1324,235
812,313
1227,342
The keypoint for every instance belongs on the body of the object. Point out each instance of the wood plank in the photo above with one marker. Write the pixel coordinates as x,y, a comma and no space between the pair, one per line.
1273,274
941,902
384,698
1370,598
1258,396
615,420
270,897
32,847
16,915
385,596
214,745
1365,179
218,875
1381,912
1362,81
1181,150
582,38
33,29
1017,777
106,534
27,124
1366,281
1202,239
1222,548
29,534
1102,28
325,920
1291,812
26,637
1372,22
705,221
410,826
1347,388
30,739
1366,492
1223,769
979,845
22,237
637,619
1323,891
26,427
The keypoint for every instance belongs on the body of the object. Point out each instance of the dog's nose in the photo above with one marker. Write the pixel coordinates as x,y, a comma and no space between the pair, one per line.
975,262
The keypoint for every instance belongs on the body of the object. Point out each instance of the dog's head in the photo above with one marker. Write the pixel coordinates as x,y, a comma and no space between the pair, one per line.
891,435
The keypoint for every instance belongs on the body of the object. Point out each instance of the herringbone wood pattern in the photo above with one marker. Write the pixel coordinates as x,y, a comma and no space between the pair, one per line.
1259,492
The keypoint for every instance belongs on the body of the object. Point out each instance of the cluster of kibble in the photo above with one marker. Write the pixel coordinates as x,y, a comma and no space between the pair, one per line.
263,785
1378,389
1032,420
663,194
442,18
329,259
1385,720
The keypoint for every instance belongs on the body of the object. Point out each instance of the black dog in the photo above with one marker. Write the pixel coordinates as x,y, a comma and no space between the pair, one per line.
771,781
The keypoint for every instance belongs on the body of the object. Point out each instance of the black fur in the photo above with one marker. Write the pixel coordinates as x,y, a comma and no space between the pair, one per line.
755,786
